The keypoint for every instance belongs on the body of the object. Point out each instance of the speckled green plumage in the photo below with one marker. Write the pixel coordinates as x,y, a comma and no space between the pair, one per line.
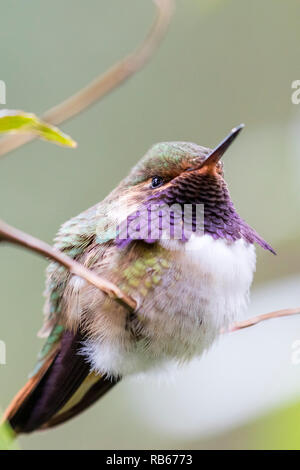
145,272
182,300
76,237
165,157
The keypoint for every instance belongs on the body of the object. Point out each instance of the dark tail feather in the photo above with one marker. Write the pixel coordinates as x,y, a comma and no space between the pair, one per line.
95,392
62,391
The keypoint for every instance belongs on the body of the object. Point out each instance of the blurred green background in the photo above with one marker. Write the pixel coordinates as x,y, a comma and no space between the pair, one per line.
223,62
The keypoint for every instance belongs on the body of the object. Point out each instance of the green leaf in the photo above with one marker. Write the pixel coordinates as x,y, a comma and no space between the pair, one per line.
7,438
19,122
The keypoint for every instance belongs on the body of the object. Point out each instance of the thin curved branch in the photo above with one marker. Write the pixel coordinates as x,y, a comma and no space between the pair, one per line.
72,106
12,235
266,316
106,82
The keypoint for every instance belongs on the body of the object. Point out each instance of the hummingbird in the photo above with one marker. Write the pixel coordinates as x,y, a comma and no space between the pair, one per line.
187,288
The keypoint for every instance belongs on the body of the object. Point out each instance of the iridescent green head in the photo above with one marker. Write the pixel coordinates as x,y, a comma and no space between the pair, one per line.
167,160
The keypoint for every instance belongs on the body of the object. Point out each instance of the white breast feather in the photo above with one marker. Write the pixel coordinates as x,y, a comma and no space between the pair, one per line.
212,292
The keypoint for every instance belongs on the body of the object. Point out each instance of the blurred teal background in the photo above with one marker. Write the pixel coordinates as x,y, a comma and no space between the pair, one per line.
223,62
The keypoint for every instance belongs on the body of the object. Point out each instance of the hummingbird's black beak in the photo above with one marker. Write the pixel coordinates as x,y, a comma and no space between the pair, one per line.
218,151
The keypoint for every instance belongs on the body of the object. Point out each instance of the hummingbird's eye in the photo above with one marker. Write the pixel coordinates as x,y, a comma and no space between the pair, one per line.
156,181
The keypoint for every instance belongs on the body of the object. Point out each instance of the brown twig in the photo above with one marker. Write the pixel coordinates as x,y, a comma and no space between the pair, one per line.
12,235
69,108
106,82
259,318
72,106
